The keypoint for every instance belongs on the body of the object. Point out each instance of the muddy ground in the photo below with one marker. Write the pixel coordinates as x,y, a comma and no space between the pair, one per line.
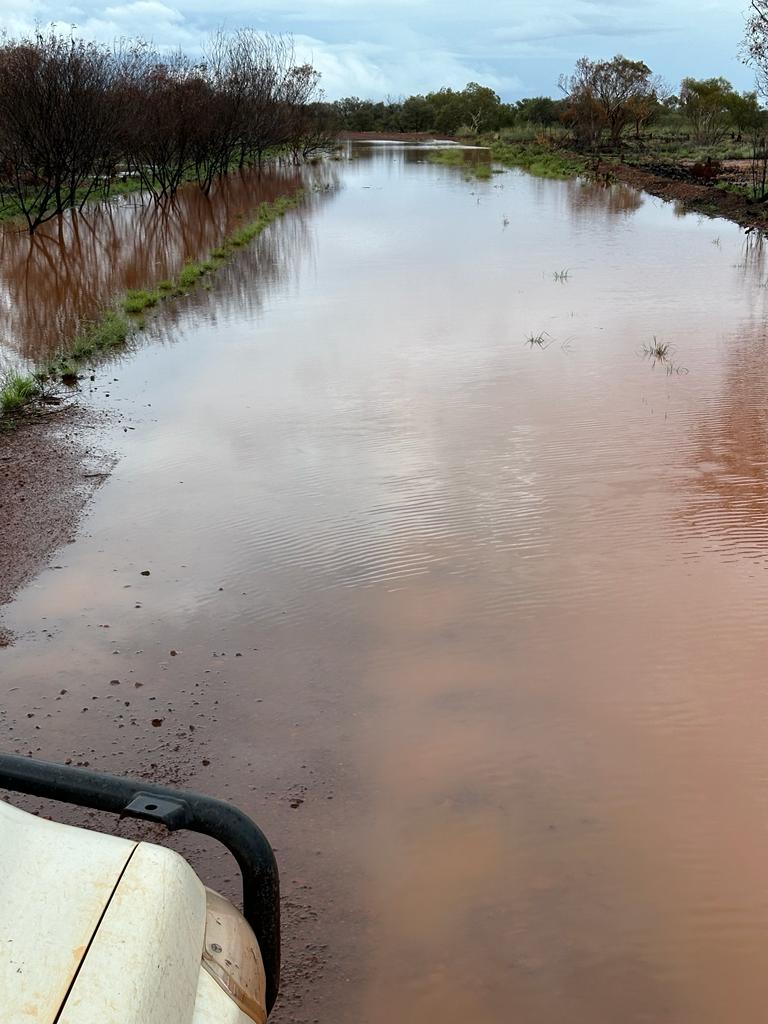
692,195
51,463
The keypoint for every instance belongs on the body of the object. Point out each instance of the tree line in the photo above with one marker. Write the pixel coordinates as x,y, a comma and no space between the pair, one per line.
76,116
600,103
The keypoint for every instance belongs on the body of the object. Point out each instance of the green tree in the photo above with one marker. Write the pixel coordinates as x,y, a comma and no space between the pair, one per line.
417,114
482,107
476,107
707,105
745,113
542,111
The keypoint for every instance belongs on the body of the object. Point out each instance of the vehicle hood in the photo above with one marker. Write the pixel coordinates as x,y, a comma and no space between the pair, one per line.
96,929
55,884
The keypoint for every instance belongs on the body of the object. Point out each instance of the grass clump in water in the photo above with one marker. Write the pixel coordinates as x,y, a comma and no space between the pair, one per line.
138,300
660,350
537,340
452,156
190,275
111,330
66,371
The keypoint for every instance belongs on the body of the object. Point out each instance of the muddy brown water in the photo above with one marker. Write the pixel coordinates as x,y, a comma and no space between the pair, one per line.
475,629
72,267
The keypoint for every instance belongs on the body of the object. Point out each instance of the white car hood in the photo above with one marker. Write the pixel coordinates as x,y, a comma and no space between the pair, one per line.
95,929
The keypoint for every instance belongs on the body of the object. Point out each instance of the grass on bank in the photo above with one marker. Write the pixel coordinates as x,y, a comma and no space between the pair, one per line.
116,325
539,160
657,142
17,391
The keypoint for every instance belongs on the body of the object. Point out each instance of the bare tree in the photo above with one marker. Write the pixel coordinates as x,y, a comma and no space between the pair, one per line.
57,120
605,96
73,113
166,113
755,43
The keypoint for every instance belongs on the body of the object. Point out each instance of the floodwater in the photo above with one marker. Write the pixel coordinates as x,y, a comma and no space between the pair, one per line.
475,628
72,267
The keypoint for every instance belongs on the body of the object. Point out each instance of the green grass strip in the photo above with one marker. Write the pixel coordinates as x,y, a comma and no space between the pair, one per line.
538,160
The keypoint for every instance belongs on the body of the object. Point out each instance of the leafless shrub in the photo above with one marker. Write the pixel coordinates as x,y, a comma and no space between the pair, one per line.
73,114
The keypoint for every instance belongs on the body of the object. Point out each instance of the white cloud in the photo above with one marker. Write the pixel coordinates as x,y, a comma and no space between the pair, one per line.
392,47
360,68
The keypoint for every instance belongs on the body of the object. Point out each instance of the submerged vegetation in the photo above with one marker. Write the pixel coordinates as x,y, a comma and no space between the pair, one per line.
473,162
540,159
662,353
116,325
659,350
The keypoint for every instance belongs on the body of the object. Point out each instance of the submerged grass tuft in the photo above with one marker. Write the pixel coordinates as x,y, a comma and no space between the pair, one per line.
139,300
660,350
189,275
108,332
537,340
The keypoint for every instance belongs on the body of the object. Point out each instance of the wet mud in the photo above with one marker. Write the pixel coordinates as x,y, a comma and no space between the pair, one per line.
50,466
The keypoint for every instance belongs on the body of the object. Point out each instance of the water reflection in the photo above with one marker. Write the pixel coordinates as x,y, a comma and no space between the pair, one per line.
751,262
586,198
243,286
727,502
70,269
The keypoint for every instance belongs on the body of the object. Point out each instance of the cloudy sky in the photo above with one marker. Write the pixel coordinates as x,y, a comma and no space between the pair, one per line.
376,48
